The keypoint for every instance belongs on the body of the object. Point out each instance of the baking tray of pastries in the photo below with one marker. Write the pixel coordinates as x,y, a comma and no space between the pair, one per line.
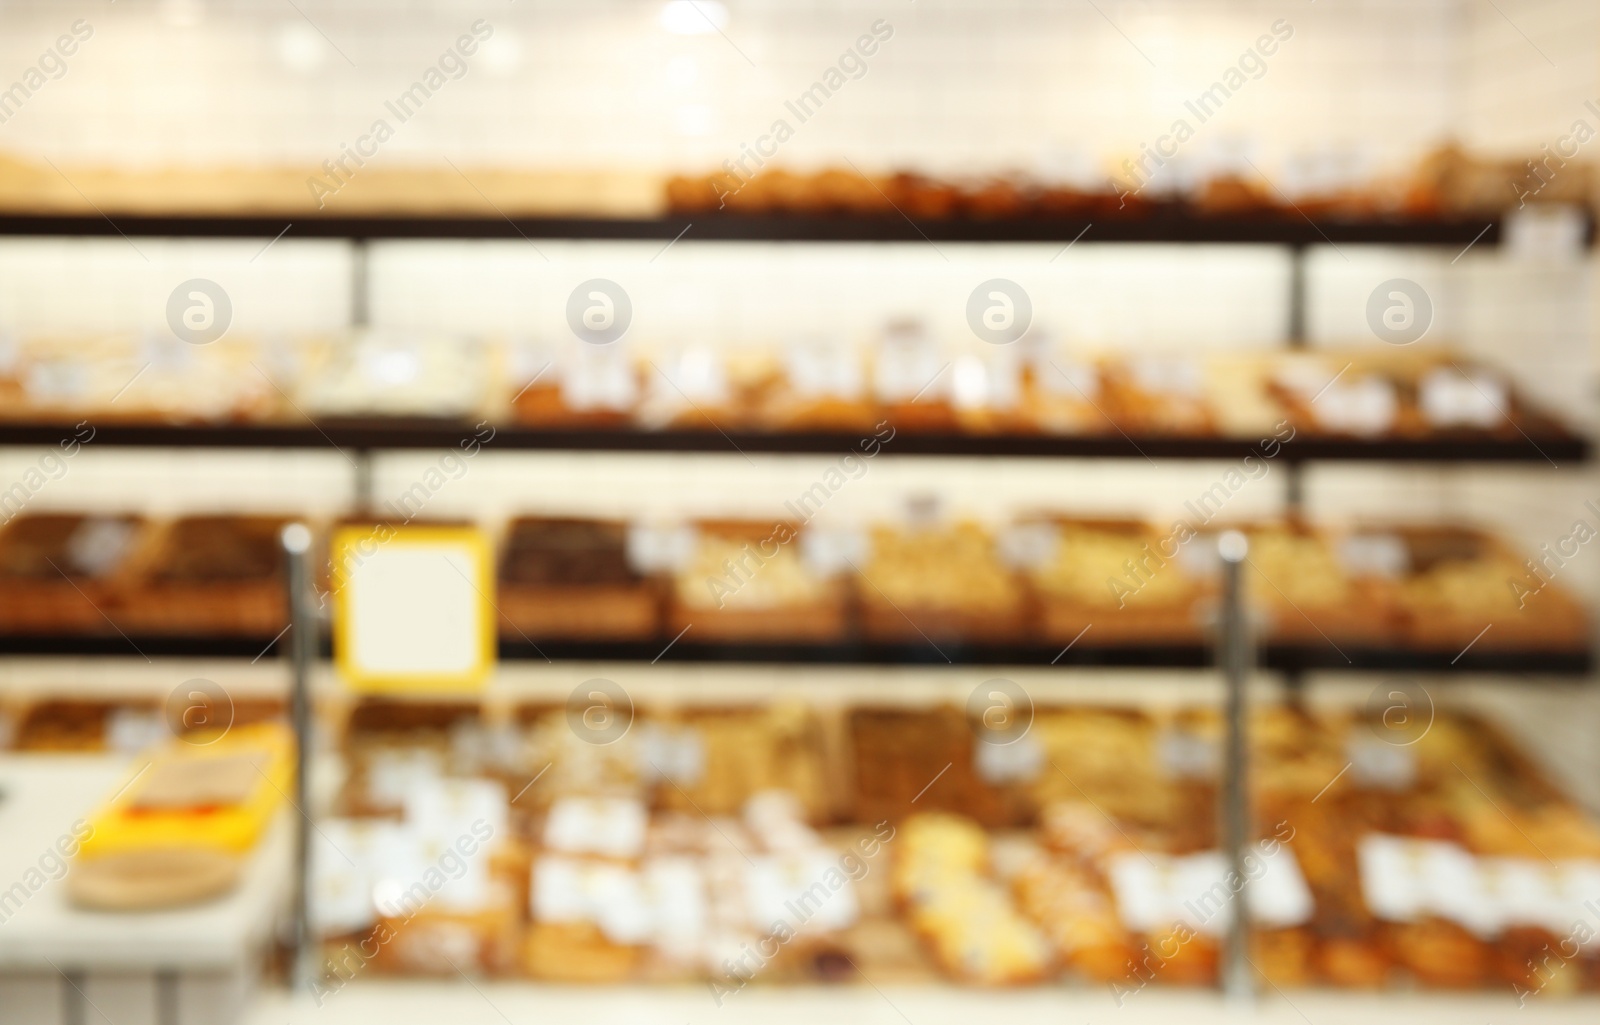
60,572
209,575
1084,848
753,580
572,578
1123,579
934,581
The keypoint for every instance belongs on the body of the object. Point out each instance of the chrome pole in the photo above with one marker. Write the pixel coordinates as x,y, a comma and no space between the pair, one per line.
1234,808
305,967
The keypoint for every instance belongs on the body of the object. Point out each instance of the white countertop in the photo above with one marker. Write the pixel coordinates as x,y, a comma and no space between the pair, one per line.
43,796
402,1002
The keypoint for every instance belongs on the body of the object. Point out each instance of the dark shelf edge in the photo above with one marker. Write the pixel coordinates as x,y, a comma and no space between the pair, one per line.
1275,228
1181,656
405,434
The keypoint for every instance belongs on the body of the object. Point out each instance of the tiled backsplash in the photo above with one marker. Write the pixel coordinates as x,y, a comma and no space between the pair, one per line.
1059,88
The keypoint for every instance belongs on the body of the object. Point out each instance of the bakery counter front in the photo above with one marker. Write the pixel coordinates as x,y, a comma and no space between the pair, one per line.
817,852
146,888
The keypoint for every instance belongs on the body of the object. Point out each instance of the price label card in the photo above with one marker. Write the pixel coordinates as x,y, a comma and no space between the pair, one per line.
413,608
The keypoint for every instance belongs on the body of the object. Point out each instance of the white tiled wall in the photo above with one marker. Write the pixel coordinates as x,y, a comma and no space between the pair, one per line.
961,85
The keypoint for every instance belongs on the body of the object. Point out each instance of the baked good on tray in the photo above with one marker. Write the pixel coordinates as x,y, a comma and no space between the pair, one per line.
580,385
1314,589
911,379
386,372
967,919
1423,393
822,386
748,580
919,759
566,577
713,761
1122,580
155,377
1072,905
210,575
1458,581
1156,394
1060,394
933,582
60,572
701,387
90,724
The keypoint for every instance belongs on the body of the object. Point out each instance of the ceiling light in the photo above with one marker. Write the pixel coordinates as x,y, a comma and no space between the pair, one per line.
694,17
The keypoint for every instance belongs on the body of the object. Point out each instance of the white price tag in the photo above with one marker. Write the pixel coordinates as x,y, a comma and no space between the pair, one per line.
1029,546
1451,399
1379,764
677,754
1021,761
1366,406
829,551
807,890
1545,232
654,548
819,369
1375,555
609,826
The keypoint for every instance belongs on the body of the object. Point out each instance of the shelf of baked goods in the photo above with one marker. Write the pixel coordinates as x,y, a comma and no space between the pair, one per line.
903,392
749,842
1046,589
1450,198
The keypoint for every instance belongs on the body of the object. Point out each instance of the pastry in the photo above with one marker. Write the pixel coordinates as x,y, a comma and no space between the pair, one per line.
751,580
570,578
937,583
60,572
210,575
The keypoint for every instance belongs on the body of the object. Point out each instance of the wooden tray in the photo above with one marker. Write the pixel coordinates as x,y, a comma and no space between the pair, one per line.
615,612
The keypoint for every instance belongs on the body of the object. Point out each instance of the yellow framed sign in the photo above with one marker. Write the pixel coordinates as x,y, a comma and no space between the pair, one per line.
412,608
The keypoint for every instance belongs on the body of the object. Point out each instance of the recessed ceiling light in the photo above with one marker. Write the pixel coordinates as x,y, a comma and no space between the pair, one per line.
694,17
300,48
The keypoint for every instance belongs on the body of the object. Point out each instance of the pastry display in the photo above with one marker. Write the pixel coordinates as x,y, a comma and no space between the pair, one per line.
1123,579
1421,393
967,918
394,373
1158,394
1446,181
713,843
1456,582
935,582
902,373
753,580
59,572
823,386
143,378
82,725
1044,577
210,575
576,386
570,578
1311,588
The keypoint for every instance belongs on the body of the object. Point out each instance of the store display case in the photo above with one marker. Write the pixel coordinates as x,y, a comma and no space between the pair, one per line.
864,535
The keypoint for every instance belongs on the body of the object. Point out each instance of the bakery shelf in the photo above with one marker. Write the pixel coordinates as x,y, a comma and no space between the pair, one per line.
921,653
426,434
1270,228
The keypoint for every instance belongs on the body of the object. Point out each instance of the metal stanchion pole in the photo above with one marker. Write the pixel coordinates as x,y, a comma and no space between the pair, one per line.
304,969
1234,805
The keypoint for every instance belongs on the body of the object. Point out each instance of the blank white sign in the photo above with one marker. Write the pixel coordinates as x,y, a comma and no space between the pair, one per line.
414,610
